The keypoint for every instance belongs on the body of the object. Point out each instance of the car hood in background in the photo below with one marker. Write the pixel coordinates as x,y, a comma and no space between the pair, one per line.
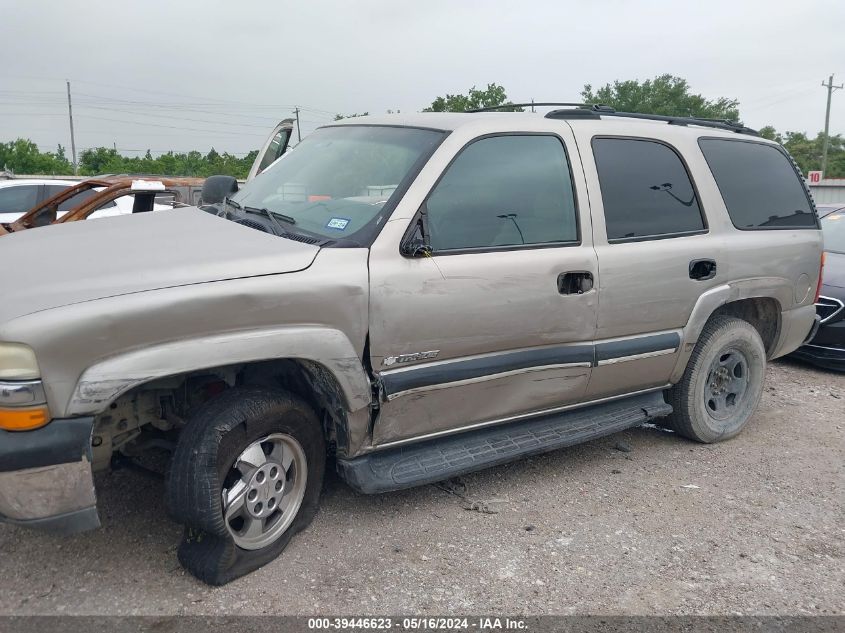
69,263
834,270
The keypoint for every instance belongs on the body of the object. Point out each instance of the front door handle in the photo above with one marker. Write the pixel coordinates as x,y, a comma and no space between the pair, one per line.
702,269
575,283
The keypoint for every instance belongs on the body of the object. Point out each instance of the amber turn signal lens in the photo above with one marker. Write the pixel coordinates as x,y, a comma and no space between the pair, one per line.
23,419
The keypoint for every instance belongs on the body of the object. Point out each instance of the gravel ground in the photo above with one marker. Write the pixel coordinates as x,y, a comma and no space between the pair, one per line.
641,522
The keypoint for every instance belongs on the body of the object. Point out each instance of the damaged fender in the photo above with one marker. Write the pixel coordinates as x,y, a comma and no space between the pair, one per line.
101,383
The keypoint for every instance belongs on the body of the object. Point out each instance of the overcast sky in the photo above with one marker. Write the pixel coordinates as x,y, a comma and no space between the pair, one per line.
192,74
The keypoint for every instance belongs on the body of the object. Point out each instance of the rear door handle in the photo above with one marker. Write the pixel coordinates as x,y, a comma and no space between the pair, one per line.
702,269
575,283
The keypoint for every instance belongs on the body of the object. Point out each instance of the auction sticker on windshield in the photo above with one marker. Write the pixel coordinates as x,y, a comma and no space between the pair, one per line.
337,223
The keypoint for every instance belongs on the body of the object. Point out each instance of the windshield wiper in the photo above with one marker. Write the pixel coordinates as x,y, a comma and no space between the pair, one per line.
270,214
266,212
275,216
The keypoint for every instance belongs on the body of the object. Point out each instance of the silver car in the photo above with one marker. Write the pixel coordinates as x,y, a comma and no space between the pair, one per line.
414,296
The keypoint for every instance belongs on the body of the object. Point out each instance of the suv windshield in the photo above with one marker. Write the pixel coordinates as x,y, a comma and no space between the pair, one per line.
833,228
340,179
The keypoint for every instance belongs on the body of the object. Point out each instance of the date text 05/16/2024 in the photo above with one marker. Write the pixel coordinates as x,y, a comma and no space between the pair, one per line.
481,623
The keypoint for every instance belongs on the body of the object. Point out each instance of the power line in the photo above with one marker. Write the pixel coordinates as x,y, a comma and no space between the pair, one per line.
171,127
176,118
142,123
211,101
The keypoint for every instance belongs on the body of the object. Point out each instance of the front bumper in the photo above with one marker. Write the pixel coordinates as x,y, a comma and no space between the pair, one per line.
813,330
826,346
827,357
46,479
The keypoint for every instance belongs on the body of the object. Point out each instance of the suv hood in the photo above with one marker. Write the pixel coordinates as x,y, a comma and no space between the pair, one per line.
58,265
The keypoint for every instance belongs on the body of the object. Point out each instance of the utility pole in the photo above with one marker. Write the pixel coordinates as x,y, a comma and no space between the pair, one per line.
830,88
72,139
298,133
532,104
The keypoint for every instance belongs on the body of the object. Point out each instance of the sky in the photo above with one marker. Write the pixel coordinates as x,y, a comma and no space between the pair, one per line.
194,74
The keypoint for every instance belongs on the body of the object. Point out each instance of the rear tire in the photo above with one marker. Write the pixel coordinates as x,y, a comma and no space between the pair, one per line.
722,384
245,477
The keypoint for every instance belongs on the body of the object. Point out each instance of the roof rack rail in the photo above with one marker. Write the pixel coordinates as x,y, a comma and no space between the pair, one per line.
603,110
598,110
524,105
731,126
581,111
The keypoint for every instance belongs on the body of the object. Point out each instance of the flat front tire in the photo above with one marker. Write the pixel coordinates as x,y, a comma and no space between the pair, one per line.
245,477
722,384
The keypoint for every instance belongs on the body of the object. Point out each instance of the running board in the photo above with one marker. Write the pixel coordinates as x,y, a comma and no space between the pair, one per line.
446,457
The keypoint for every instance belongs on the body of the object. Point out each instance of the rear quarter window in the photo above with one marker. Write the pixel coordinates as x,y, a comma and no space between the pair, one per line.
759,185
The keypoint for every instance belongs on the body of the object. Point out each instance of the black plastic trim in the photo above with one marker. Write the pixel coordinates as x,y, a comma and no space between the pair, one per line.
394,382
719,124
442,373
827,357
575,113
661,236
538,104
640,345
427,461
60,442
68,523
507,247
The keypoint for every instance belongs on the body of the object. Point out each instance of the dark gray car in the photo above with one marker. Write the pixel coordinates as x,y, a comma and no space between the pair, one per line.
827,347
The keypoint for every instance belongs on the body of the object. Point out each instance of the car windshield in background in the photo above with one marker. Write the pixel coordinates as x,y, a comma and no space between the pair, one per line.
338,180
833,228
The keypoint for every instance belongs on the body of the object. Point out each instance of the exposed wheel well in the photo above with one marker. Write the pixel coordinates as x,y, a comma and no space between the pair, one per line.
150,413
761,312
312,382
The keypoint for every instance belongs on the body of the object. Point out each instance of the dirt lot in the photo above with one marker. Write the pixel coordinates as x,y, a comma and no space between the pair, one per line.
754,525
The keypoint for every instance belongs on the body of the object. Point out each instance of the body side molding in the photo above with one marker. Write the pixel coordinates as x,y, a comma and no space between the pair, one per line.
448,372
455,372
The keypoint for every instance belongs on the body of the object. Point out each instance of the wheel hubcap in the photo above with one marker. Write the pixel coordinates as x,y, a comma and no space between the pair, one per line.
263,490
727,383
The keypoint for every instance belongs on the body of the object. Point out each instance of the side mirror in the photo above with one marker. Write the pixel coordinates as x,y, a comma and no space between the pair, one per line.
215,188
415,245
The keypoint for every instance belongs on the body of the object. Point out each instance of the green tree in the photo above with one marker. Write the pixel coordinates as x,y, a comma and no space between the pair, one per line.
100,160
807,151
494,95
666,94
22,156
769,132
338,117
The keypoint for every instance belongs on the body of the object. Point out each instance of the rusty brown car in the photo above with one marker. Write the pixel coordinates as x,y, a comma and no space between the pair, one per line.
147,194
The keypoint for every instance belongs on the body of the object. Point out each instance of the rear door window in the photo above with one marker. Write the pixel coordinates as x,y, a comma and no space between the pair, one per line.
18,199
646,190
759,185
